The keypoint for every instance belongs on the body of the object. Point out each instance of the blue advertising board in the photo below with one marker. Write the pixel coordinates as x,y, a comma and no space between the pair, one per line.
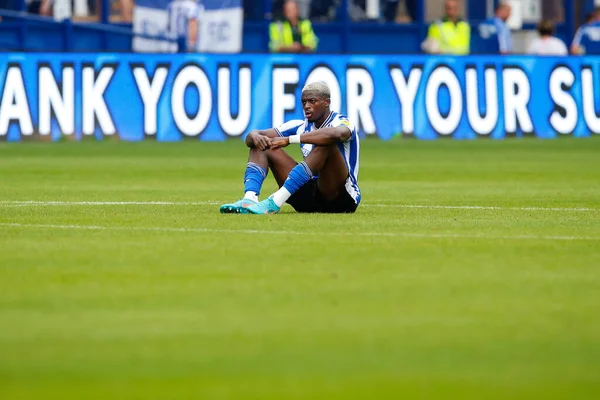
213,97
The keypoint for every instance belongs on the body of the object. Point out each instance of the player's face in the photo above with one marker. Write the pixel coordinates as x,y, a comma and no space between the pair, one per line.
315,107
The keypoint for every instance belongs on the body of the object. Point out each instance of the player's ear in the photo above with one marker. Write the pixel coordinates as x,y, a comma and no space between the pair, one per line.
327,102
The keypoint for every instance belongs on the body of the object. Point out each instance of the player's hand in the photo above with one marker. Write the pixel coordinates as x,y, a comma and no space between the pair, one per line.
279,142
261,142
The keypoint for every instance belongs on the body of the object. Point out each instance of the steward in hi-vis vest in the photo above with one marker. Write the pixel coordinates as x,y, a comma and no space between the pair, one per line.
292,34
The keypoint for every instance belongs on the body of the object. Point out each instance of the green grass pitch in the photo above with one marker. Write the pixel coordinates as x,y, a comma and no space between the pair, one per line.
470,271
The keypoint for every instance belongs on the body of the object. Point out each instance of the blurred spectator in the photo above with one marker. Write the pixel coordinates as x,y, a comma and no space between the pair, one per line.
587,37
80,10
397,11
389,10
546,44
126,10
494,35
42,7
503,11
292,34
183,22
304,7
323,9
450,35
357,10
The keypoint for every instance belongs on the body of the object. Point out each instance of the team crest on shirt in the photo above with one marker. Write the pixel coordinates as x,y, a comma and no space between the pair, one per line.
306,149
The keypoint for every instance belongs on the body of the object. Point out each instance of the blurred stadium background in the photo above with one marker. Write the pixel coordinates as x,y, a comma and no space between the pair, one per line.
343,26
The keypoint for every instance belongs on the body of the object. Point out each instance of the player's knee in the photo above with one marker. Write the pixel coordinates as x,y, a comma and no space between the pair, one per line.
274,154
259,152
268,153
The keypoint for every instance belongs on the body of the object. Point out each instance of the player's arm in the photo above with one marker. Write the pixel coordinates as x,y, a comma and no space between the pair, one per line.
327,136
320,137
261,139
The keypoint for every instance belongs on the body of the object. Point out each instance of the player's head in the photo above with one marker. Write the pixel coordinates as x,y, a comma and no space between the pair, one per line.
315,101
452,9
290,10
545,28
503,10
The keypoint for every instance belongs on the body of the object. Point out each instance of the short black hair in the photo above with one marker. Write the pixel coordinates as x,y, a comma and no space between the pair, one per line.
545,28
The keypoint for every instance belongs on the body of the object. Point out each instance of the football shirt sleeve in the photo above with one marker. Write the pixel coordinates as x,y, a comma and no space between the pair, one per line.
344,121
293,127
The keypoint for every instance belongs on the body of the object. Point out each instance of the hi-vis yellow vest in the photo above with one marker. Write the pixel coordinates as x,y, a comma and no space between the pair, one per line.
281,34
452,38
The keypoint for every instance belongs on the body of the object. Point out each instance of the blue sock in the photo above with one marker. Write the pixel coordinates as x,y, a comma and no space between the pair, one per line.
298,176
254,177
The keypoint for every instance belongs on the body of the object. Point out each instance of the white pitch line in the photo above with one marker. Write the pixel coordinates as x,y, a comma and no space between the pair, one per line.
498,208
107,203
32,203
288,232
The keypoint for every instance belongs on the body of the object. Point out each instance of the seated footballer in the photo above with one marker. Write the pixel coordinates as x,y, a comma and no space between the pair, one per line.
325,182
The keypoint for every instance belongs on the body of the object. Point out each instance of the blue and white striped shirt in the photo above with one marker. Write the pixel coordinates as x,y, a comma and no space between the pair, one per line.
588,38
350,149
494,37
504,36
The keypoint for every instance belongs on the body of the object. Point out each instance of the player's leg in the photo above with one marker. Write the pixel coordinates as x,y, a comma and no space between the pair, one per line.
331,195
321,194
332,169
281,164
278,161
322,159
259,162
